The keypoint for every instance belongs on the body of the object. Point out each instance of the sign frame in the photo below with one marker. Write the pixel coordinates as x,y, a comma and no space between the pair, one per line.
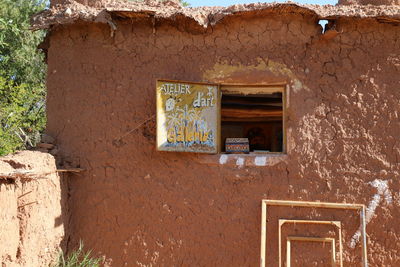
217,144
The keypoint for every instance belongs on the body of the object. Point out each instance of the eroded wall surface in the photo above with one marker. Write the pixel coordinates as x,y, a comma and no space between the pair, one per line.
32,210
139,207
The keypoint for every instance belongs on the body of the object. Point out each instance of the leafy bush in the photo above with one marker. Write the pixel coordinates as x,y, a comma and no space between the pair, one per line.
22,115
22,75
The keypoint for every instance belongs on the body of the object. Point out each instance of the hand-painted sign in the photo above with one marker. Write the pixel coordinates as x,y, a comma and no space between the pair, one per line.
187,116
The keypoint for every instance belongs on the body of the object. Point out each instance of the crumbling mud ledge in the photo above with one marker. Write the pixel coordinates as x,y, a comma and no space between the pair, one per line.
33,210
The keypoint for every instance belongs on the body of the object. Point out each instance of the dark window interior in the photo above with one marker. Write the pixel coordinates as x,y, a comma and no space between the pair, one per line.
256,117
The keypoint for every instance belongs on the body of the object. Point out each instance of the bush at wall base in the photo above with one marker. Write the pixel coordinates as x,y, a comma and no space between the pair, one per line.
78,258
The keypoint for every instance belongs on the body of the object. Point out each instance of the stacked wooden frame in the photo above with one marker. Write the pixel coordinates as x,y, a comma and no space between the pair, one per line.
325,205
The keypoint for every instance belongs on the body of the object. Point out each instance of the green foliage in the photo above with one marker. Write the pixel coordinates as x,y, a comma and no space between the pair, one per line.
184,3
22,75
21,115
78,258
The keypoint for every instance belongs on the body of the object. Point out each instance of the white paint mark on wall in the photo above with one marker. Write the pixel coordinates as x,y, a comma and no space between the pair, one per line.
297,85
260,161
356,237
383,190
240,162
223,159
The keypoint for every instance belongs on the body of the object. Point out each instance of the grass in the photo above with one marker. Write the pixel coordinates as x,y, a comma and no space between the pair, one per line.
78,258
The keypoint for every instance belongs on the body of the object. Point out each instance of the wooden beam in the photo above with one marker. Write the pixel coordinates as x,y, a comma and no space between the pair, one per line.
260,119
283,221
263,232
310,204
310,239
71,170
250,113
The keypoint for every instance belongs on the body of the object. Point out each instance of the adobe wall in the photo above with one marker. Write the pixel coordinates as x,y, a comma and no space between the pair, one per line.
140,207
33,212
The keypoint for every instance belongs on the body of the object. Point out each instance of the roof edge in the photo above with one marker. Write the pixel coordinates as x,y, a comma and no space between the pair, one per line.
72,11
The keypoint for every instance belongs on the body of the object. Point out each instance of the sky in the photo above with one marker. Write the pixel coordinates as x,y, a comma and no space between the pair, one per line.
195,3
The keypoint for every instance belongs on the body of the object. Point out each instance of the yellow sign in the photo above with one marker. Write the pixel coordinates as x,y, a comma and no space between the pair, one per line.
187,116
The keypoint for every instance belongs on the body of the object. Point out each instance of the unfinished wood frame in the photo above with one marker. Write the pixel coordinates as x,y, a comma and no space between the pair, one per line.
310,239
308,204
255,89
334,223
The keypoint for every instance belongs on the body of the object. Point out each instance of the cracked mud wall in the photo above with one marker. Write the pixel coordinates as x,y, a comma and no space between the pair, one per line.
139,207
93,3
32,210
369,2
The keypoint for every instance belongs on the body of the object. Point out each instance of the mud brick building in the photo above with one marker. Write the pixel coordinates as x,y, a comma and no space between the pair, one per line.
319,105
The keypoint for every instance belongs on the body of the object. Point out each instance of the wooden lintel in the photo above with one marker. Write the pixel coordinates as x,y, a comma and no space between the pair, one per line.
250,113
71,170
251,90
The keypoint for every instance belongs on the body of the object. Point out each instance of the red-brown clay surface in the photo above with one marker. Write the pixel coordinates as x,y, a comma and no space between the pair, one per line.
140,207
32,210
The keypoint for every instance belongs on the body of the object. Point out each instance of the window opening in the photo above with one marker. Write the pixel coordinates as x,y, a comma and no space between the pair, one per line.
256,117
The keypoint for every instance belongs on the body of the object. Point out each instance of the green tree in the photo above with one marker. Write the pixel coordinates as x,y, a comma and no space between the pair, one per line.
184,3
22,75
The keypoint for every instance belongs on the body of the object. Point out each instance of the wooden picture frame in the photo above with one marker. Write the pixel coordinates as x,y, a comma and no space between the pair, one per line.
326,205
337,224
310,239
